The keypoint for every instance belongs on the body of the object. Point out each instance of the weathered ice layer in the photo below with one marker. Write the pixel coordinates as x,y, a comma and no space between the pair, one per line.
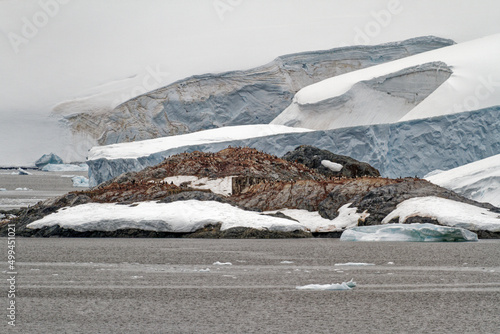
412,148
254,96
387,99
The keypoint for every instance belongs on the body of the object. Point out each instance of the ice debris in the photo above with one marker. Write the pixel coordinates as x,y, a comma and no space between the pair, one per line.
217,263
323,287
80,181
408,232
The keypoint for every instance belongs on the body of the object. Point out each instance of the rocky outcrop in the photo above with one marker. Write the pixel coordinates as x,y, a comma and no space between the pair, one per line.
379,199
312,157
412,148
262,182
254,96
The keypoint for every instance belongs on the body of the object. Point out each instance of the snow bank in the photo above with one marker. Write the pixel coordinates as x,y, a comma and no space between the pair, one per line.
182,216
147,147
341,101
333,166
408,232
447,212
323,287
479,180
65,168
315,223
221,186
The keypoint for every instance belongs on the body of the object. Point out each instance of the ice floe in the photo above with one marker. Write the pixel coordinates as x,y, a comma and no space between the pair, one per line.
408,232
323,287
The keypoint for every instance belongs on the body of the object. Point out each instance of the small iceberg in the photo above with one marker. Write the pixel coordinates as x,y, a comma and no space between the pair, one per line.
328,287
23,172
48,159
222,263
80,181
65,168
408,232
356,264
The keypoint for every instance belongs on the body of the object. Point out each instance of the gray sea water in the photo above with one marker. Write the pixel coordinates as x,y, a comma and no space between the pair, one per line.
36,187
173,286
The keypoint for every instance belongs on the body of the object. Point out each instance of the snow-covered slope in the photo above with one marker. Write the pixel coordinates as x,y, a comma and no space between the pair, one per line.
447,213
143,148
253,96
479,180
414,87
400,149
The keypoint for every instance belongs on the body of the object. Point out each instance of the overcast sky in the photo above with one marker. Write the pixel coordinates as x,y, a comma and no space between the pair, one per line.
58,50
87,43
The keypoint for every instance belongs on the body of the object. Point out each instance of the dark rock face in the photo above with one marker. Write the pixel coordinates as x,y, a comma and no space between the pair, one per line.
382,200
48,159
312,156
209,232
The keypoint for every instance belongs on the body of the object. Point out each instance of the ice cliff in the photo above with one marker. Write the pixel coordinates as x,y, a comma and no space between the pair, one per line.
407,148
254,96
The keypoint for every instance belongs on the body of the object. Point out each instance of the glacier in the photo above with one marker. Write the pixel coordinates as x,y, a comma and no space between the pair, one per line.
408,232
453,79
479,180
409,148
253,96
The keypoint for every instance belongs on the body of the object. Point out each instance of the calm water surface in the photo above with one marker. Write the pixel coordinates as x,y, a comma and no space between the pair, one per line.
173,286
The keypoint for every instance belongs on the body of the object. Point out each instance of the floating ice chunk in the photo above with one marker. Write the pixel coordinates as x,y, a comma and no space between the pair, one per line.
65,168
408,232
23,172
3,189
333,166
222,263
206,270
23,189
354,264
323,287
48,159
286,262
80,181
